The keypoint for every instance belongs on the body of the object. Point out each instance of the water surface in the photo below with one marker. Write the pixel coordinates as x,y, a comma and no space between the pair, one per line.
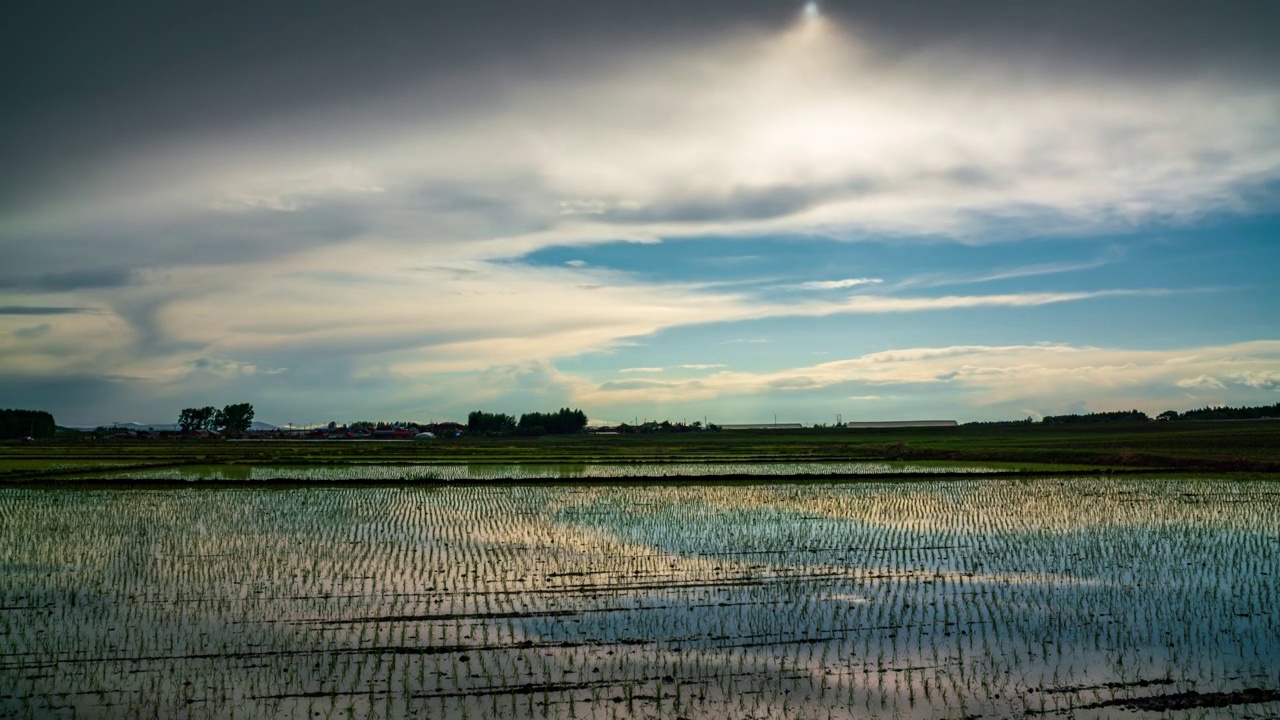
1088,597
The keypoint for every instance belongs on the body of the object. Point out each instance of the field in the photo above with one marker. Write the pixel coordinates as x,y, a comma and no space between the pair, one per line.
1218,447
1082,597
986,572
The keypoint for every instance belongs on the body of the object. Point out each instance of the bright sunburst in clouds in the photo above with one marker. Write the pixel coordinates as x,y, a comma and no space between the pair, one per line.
546,223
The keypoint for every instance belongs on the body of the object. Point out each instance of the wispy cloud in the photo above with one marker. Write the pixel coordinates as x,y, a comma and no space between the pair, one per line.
820,132
227,368
1112,255
478,311
896,304
34,331
1048,376
642,370
746,341
388,244
1260,380
1201,381
837,284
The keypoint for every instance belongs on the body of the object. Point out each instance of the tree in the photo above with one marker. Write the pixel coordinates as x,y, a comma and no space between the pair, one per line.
1231,413
16,424
1099,417
563,422
235,418
193,419
486,423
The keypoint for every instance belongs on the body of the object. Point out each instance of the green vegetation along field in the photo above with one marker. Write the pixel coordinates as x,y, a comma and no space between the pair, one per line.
1091,597
1237,447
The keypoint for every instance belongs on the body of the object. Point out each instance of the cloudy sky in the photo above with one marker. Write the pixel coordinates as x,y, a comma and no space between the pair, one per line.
732,209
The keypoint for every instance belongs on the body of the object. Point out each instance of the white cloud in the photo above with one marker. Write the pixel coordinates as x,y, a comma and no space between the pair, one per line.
746,341
837,284
291,191
227,368
389,244
703,366
893,304
1050,375
1201,381
810,130
414,316
1112,255
642,370
1261,380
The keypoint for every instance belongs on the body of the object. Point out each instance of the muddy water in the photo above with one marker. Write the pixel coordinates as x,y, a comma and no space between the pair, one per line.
1088,597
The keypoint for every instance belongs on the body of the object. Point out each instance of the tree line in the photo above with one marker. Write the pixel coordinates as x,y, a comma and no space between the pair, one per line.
16,424
236,418
1098,417
1205,413
565,421
1224,413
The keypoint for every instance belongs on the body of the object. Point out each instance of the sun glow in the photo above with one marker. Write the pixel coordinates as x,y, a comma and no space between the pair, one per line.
812,20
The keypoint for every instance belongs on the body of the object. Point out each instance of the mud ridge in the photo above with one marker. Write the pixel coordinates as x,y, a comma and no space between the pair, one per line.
1191,700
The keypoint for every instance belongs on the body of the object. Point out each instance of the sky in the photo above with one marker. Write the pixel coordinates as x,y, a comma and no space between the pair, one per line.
730,210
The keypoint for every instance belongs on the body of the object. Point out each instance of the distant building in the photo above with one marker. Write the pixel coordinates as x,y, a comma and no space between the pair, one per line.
763,426
901,424
394,434
445,429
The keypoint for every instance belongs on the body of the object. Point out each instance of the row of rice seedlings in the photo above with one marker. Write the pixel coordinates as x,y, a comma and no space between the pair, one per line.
798,601
373,472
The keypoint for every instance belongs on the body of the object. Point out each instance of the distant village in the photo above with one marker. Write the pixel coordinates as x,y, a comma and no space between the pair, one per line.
235,422
262,431
407,431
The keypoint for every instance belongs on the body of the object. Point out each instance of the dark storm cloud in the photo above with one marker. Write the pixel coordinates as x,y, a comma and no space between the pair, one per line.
86,83
42,310
85,279
1133,36
209,237
74,400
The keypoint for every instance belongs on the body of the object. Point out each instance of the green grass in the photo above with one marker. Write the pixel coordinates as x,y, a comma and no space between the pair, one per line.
1220,447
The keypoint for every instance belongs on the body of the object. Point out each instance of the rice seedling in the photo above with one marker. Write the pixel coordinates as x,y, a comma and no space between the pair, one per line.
934,598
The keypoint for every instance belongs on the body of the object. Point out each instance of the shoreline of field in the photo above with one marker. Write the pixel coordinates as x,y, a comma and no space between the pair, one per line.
1243,449
743,479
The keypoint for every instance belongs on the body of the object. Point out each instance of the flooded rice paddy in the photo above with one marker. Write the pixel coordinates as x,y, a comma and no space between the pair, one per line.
1086,598
479,472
